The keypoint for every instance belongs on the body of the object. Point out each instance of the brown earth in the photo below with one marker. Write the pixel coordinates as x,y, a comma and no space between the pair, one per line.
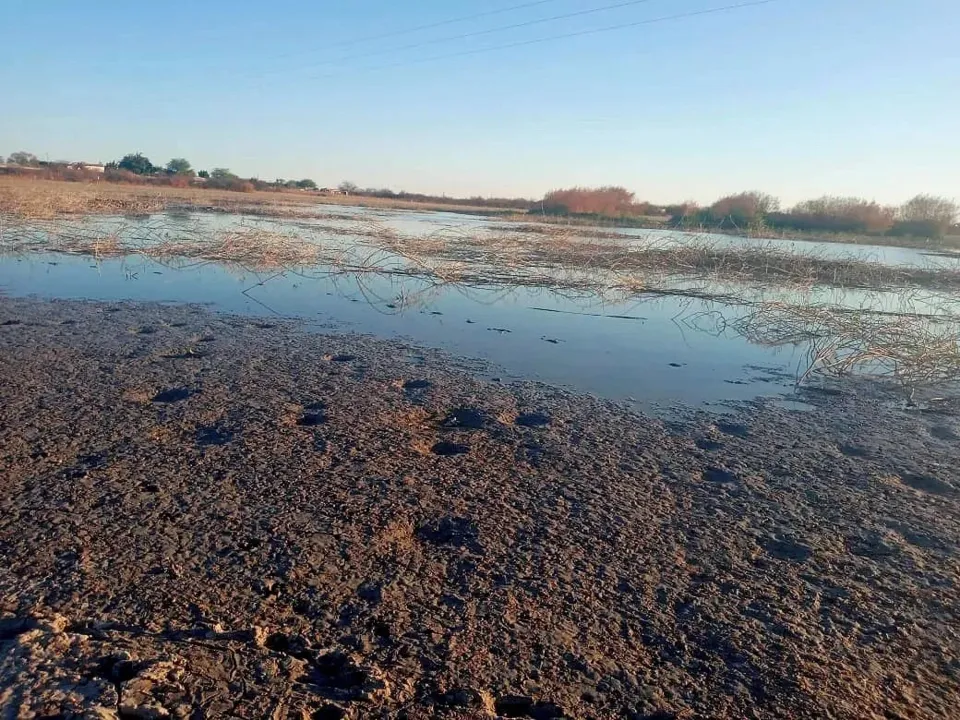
211,516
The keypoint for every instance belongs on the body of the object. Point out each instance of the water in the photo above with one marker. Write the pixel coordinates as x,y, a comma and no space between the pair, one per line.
653,352
638,351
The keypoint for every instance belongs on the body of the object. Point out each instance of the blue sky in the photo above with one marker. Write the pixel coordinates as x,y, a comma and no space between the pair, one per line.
795,97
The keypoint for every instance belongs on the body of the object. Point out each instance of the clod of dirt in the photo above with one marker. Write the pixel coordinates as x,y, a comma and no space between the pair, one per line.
118,668
534,419
469,418
172,395
449,448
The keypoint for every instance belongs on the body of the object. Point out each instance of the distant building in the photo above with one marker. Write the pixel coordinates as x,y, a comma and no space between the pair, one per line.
92,167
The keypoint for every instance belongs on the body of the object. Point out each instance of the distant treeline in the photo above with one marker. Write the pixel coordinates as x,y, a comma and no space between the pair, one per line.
922,216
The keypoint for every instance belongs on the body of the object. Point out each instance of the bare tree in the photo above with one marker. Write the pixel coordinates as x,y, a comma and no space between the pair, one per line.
930,208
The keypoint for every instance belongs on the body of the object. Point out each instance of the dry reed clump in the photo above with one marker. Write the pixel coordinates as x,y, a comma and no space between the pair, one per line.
249,247
917,351
693,257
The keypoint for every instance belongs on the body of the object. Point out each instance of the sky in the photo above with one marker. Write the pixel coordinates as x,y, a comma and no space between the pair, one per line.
798,98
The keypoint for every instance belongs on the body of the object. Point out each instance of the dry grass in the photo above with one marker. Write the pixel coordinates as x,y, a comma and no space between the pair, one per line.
917,351
31,198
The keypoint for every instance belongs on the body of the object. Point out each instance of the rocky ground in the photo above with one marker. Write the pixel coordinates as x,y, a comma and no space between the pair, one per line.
211,516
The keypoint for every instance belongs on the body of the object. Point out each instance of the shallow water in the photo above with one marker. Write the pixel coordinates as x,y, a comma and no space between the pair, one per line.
652,351
644,352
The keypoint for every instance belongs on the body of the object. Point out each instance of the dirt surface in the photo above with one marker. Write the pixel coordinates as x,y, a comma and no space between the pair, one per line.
211,516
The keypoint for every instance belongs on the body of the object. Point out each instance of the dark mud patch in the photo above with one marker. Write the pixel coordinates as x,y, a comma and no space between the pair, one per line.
343,358
416,384
328,712
172,395
733,429
927,484
533,419
10,323
787,549
708,444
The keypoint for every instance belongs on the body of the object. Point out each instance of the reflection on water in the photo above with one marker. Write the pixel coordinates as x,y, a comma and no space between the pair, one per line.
666,348
640,350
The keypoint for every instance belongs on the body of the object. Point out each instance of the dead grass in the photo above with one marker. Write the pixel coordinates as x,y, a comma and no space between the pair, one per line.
917,351
31,199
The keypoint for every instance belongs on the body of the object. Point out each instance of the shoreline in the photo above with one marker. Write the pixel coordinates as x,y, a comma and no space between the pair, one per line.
204,510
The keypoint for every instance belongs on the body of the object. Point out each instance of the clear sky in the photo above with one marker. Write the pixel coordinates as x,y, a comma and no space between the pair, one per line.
795,97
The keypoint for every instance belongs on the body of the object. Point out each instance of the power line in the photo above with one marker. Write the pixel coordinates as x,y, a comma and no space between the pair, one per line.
420,28
472,34
564,36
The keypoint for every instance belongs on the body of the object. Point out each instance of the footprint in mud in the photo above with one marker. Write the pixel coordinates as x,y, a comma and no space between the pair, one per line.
944,432
533,419
735,429
185,354
787,550
328,711
211,435
416,384
856,451
446,449
720,475
450,530
172,395
928,484
337,676
313,414
521,706
708,444
468,418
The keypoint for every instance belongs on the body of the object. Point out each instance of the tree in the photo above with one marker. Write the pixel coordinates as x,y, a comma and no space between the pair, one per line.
179,166
930,208
348,187
203,173
24,158
744,207
306,184
222,174
137,163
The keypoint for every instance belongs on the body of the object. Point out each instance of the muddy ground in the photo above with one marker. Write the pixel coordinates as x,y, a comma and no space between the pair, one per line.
211,516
